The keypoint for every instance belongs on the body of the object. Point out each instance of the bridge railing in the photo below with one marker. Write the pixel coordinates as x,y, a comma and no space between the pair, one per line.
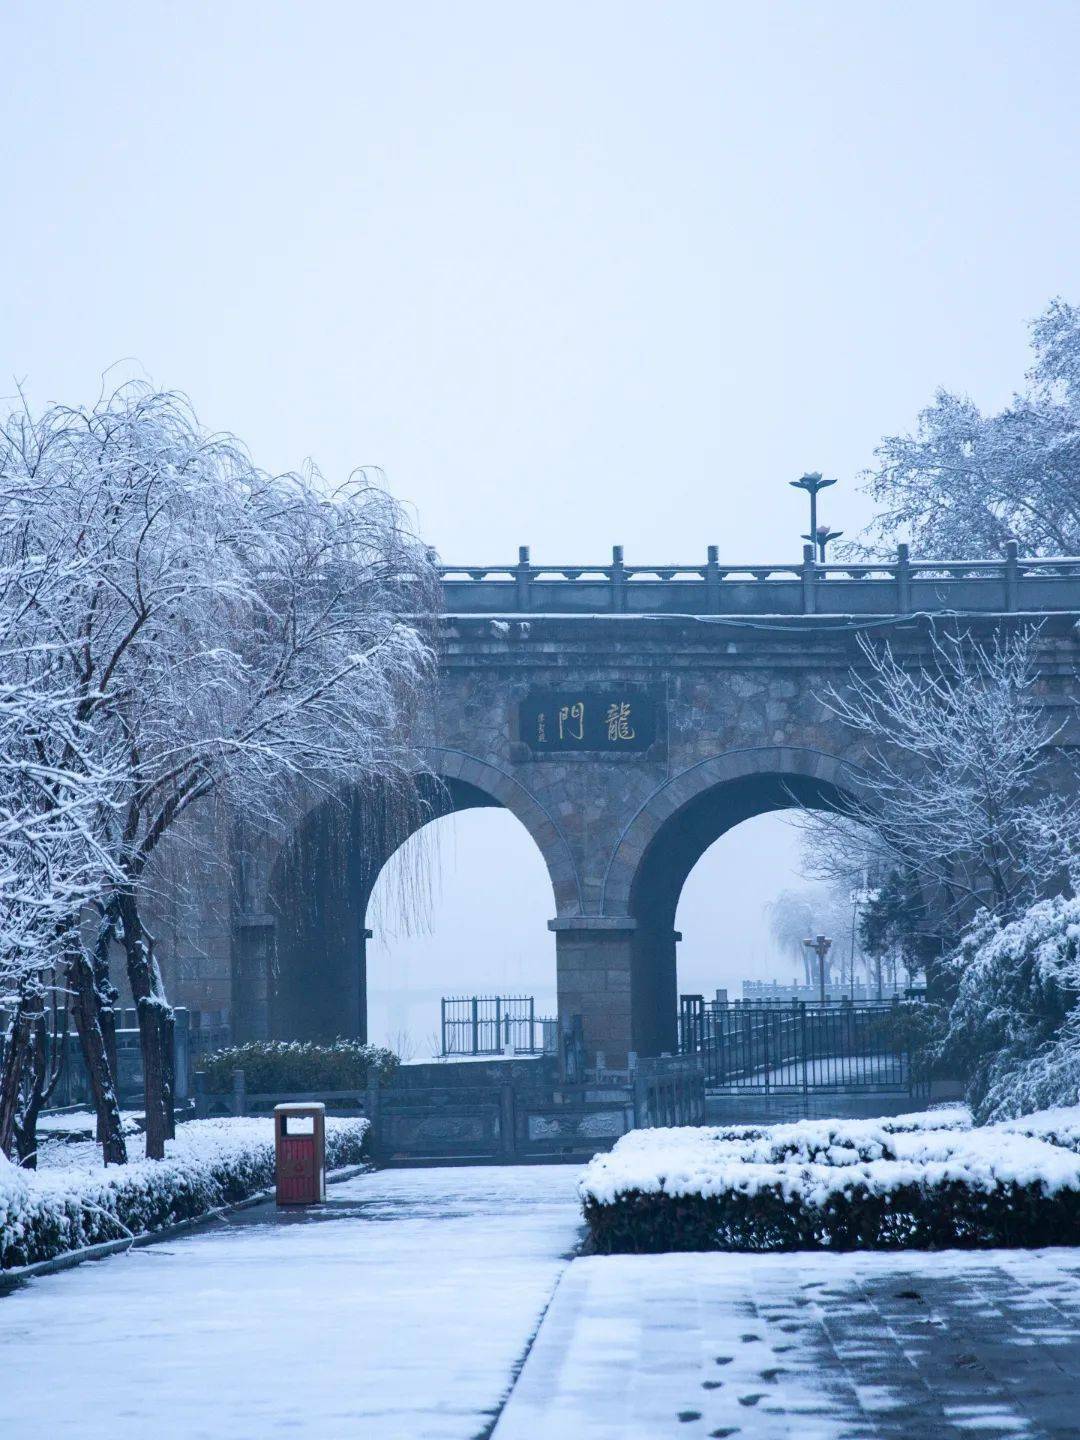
797,1048
896,587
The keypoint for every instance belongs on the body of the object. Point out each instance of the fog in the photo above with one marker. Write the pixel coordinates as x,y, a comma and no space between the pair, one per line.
572,275
501,945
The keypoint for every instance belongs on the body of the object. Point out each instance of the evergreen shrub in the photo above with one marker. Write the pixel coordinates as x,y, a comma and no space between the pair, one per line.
832,1185
274,1067
211,1163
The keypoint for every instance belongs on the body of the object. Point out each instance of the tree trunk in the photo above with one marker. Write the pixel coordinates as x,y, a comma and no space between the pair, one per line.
154,1012
168,1059
26,1122
17,1055
87,1008
107,997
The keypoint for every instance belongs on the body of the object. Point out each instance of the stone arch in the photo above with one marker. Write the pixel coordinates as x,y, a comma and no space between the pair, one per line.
672,830
321,880
800,769
503,789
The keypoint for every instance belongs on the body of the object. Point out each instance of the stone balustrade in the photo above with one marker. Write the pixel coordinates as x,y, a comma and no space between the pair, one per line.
901,586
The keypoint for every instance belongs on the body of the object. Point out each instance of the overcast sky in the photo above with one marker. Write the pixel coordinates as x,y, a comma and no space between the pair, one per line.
573,274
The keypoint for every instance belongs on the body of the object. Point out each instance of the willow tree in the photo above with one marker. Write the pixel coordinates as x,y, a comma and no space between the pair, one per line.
229,632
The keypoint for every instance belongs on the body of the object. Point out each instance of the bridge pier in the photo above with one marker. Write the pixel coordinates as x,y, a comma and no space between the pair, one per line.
594,957
619,976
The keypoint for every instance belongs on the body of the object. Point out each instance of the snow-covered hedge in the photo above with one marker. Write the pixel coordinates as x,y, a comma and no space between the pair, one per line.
1060,1126
210,1163
924,1182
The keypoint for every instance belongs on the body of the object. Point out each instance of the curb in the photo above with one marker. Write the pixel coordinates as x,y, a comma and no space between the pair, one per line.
9,1279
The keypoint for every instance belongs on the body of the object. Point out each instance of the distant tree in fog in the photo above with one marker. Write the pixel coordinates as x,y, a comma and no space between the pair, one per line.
798,914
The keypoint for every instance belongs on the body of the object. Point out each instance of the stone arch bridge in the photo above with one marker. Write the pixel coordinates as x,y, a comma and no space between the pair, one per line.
627,716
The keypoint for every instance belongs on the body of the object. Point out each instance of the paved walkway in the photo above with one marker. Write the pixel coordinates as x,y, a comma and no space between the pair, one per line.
817,1347
402,1309
399,1311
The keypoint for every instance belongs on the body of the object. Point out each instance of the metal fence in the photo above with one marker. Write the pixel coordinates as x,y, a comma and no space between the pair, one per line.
798,1048
493,1024
191,1040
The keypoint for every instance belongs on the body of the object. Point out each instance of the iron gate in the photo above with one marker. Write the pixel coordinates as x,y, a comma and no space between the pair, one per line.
488,1024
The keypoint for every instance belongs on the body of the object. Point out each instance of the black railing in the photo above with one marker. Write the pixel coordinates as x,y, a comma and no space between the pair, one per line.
493,1024
899,586
796,1049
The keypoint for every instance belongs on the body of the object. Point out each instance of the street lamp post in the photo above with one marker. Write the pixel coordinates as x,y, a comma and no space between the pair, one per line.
821,945
822,535
819,535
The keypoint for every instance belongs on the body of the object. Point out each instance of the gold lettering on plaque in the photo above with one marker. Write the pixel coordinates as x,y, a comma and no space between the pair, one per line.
618,722
569,716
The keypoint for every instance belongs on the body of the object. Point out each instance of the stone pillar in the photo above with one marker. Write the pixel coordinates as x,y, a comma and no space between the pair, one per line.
595,962
252,966
361,986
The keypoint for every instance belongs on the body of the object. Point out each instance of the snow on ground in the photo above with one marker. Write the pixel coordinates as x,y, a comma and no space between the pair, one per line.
819,1347
82,1122
401,1309
56,1152
397,1311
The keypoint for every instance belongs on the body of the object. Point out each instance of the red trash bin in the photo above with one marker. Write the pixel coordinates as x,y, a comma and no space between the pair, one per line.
300,1152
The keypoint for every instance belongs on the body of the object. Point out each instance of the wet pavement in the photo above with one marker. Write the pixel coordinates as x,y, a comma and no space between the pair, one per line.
817,1346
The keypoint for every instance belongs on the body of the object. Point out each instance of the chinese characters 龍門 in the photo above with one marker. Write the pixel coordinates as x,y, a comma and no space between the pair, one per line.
570,722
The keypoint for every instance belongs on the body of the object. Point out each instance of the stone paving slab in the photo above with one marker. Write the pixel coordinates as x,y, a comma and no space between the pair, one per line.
398,1310
822,1347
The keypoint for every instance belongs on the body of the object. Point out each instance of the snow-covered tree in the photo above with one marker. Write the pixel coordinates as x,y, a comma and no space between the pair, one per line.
956,789
53,784
795,915
229,632
894,929
829,907
1014,1027
792,916
964,482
